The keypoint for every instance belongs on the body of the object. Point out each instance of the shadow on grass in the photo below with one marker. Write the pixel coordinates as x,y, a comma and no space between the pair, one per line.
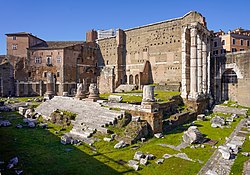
40,152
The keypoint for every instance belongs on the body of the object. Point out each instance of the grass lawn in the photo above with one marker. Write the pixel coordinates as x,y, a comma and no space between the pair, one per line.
40,152
131,97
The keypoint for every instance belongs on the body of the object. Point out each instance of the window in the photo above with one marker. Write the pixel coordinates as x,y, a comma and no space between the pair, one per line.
234,50
241,42
49,60
45,74
14,47
223,42
14,37
29,74
107,62
37,60
248,43
222,51
58,59
58,74
241,49
234,41
216,52
215,44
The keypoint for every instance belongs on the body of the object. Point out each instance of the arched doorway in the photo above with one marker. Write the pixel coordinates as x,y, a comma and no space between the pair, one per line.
137,79
131,79
229,83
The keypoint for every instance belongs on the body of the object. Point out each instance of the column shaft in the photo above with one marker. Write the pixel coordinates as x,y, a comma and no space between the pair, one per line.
184,64
199,64
204,65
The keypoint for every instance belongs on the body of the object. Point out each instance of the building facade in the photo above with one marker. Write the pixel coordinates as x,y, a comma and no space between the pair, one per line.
232,41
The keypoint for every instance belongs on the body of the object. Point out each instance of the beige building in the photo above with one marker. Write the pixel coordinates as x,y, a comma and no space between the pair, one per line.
232,41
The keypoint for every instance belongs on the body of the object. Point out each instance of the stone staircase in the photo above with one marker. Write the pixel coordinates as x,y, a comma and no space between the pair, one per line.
91,117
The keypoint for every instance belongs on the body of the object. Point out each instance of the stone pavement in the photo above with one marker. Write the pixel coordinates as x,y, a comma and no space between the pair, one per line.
91,116
216,165
230,110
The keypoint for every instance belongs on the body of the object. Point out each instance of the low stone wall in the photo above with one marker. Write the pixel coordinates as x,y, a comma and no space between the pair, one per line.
178,119
168,87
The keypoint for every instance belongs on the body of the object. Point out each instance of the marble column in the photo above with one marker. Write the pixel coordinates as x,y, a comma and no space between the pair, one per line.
204,65
184,58
93,92
148,94
199,64
193,63
41,88
50,86
208,69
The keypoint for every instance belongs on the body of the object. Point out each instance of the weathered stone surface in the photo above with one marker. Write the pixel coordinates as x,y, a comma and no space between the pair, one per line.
148,94
193,135
158,135
5,123
133,164
143,161
31,124
210,172
66,139
225,109
201,117
159,161
217,121
245,154
12,162
120,144
138,155
246,169
225,152
150,156
115,99
29,113
22,110
19,126
107,139
229,119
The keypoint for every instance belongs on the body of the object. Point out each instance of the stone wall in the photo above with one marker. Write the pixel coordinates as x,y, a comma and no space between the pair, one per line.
236,89
106,81
158,43
6,79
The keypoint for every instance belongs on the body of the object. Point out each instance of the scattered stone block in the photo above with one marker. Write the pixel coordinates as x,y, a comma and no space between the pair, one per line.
113,136
5,123
245,154
133,164
115,99
66,139
210,172
136,118
12,162
31,124
143,139
158,135
201,117
143,161
202,146
22,110
19,126
107,139
159,161
192,135
120,144
225,152
138,155
229,119
217,121
150,156
183,156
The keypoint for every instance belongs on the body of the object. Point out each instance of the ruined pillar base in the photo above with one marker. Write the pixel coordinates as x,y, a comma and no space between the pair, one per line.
48,96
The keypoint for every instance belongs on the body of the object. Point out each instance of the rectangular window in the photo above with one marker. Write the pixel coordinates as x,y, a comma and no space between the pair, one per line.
241,49
234,41
216,52
49,61
241,42
37,60
14,37
215,44
248,43
58,59
45,74
223,42
234,50
14,47
58,74
222,51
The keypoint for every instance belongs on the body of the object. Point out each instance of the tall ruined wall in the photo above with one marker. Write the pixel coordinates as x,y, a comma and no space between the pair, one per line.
158,43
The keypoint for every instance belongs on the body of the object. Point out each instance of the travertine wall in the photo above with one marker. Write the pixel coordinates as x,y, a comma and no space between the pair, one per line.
158,43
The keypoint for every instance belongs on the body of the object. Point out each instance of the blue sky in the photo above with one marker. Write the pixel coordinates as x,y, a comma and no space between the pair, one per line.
69,20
